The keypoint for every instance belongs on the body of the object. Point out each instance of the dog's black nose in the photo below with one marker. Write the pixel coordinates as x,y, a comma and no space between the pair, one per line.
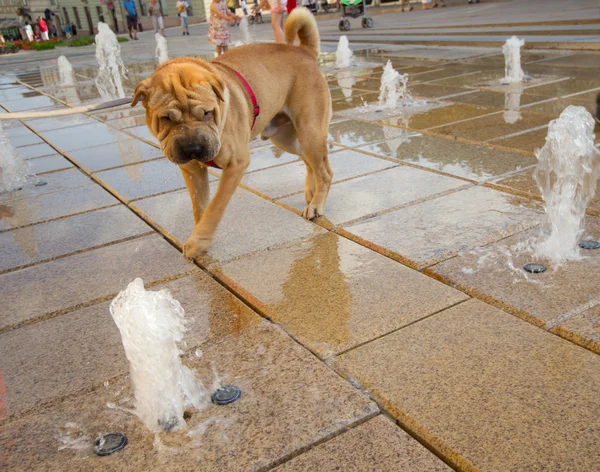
192,148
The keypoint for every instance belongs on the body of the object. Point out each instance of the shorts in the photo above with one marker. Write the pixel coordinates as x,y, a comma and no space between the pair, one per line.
275,8
44,35
158,23
132,22
184,21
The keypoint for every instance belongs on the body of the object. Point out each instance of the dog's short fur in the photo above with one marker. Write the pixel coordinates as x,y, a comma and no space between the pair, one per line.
200,111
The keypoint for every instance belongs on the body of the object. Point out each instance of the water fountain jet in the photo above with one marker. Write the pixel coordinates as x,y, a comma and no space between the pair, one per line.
13,169
112,71
152,325
343,54
393,87
247,39
567,173
512,58
162,53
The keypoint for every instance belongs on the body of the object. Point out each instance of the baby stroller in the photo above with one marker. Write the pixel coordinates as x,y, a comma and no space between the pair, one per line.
354,9
255,16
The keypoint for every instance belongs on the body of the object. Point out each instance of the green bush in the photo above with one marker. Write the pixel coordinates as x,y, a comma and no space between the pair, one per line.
43,46
82,41
122,39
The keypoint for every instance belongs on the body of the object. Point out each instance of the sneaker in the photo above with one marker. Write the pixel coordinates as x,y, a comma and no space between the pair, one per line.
183,33
135,38
188,33
130,35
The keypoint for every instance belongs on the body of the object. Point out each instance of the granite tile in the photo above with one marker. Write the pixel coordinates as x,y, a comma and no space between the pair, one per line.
553,108
470,161
443,115
494,273
25,139
265,426
30,103
490,127
54,162
173,213
371,194
145,179
288,179
35,243
34,368
60,122
377,445
55,182
333,294
428,376
35,209
84,136
434,91
85,277
504,100
564,87
36,150
106,156
529,141
435,230
352,133
582,329
143,132
262,158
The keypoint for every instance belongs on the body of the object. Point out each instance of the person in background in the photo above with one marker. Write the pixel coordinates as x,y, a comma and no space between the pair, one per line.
68,31
182,7
73,29
244,7
473,1
427,4
278,7
156,12
291,4
403,2
41,24
441,4
28,31
218,31
132,18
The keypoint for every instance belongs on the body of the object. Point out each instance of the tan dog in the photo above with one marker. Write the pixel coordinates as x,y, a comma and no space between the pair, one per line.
202,114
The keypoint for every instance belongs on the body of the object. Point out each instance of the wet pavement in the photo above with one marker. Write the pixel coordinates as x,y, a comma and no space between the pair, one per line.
397,332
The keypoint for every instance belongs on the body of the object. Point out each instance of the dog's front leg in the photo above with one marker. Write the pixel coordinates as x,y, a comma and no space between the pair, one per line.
202,236
195,176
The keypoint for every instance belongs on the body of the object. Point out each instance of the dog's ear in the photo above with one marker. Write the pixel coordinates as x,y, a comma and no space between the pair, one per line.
141,91
218,87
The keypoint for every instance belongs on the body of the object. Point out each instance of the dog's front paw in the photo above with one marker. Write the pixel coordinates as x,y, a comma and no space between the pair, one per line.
311,212
195,247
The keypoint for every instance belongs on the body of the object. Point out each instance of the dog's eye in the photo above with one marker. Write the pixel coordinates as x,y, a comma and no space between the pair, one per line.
209,115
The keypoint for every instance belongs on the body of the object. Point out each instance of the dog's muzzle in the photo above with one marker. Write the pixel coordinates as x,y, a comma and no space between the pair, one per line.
193,144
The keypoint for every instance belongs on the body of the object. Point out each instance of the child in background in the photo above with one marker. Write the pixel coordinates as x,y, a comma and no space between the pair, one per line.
278,7
182,7
218,31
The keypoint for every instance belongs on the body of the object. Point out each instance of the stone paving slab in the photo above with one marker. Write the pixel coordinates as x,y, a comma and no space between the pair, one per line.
377,445
106,156
332,294
564,87
434,91
35,209
310,404
432,231
55,182
36,150
61,356
35,243
81,278
353,133
583,329
490,98
59,122
495,273
490,127
84,136
448,114
474,162
280,181
144,179
24,104
535,393
54,162
238,233
25,139
529,141
371,194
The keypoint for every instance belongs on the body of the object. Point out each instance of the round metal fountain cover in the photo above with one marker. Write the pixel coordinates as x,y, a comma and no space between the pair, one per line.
110,443
589,244
535,268
226,394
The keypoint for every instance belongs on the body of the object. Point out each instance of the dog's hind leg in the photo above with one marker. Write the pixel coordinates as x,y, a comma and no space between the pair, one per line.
318,181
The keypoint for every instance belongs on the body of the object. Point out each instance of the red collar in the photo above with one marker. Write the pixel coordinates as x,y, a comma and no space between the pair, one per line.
250,93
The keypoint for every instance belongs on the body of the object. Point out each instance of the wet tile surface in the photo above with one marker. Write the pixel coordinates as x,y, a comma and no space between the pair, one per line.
126,152
377,444
54,182
35,209
60,122
91,343
288,179
322,290
490,127
83,136
381,191
22,104
529,141
447,114
36,150
495,273
438,229
89,276
48,240
518,374
477,163
238,233
25,139
354,133
259,359
51,163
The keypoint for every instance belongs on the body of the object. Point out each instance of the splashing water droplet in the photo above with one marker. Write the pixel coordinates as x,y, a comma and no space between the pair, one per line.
512,59
13,169
111,71
393,87
162,54
343,55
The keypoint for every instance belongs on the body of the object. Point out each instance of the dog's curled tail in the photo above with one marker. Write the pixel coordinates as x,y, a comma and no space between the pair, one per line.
302,24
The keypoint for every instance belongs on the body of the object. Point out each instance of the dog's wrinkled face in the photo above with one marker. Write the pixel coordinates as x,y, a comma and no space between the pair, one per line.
184,109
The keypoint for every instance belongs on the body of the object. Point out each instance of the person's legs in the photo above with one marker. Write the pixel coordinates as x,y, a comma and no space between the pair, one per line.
277,24
187,29
161,25
225,48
